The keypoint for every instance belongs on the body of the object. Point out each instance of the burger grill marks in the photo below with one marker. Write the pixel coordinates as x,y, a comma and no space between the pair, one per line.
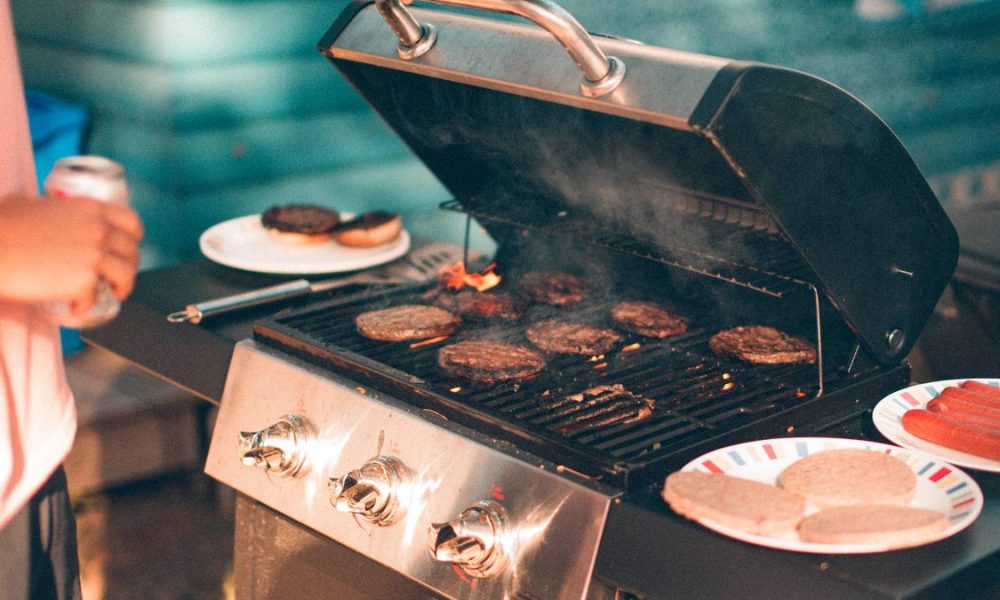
599,406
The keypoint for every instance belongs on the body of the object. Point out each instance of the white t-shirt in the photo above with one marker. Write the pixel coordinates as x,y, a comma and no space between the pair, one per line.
37,413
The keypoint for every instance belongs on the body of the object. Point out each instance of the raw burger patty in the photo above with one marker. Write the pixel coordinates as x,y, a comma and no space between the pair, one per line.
889,526
553,287
762,345
480,305
850,476
749,506
571,338
648,319
490,362
300,218
407,322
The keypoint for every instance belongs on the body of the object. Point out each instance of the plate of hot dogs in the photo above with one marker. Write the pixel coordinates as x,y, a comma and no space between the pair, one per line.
956,420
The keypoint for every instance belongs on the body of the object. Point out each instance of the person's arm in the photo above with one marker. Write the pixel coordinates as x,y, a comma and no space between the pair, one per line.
57,250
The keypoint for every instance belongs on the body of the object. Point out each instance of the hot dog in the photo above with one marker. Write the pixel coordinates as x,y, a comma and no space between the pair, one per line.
982,388
969,396
970,435
950,404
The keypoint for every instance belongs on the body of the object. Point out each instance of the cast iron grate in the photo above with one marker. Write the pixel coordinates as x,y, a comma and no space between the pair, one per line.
769,264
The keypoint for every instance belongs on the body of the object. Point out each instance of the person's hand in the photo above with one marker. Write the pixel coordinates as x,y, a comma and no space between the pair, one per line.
57,250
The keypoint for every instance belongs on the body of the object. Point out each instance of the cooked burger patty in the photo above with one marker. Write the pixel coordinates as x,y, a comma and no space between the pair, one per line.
300,218
648,319
571,338
553,287
490,362
762,345
368,220
600,406
479,305
407,322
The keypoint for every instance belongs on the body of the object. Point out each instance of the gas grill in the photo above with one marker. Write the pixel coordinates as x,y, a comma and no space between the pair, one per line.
739,193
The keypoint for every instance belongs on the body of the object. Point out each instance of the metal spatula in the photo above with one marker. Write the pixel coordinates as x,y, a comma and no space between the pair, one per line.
420,264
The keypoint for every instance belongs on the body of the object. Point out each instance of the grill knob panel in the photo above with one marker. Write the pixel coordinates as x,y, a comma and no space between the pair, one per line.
280,448
372,491
476,540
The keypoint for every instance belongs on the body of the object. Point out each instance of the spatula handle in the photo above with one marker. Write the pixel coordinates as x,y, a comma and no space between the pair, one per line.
194,313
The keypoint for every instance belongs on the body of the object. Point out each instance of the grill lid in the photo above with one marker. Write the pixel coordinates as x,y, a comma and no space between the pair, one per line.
501,115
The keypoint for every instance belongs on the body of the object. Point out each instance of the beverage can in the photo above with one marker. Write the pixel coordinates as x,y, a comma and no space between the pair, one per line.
102,180
91,177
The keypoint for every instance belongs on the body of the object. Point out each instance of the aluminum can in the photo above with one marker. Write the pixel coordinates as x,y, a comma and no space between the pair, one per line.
102,180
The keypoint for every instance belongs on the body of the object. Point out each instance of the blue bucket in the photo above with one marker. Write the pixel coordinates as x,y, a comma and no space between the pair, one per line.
57,129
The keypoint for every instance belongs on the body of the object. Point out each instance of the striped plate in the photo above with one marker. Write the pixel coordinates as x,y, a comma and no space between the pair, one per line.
940,486
889,411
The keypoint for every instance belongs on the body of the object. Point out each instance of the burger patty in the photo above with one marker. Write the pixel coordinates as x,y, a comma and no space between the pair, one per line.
368,220
553,287
648,319
762,345
489,362
601,406
571,338
300,218
478,305
407,322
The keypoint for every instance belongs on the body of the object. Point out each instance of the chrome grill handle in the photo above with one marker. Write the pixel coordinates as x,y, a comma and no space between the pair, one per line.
601,74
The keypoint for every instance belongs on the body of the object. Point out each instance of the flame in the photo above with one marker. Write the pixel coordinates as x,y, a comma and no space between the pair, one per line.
455,277
429,341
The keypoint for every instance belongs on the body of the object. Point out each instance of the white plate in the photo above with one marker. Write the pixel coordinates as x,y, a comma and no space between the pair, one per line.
889,411
243,243
940,486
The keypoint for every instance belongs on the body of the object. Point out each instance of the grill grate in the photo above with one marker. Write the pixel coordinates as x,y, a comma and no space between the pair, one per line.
773,267
695,396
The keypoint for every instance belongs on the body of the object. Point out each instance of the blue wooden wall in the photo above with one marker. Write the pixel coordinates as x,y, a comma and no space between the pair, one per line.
221,108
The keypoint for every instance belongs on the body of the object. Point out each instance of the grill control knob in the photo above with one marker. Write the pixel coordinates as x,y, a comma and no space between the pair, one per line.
371,491
476,541
281,448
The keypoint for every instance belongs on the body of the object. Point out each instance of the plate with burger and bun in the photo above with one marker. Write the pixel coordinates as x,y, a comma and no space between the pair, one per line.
306,239
957,420
825,495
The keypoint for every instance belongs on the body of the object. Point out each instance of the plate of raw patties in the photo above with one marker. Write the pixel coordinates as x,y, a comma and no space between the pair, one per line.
825,495
303,239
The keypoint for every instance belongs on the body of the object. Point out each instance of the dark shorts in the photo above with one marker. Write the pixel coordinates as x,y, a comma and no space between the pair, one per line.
38,548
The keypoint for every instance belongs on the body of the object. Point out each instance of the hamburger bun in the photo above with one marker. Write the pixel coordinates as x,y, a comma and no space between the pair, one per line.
850,476
299,238
370,229
879,524
743,504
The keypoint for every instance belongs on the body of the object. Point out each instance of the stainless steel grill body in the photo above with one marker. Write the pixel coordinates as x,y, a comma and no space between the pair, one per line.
552,524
